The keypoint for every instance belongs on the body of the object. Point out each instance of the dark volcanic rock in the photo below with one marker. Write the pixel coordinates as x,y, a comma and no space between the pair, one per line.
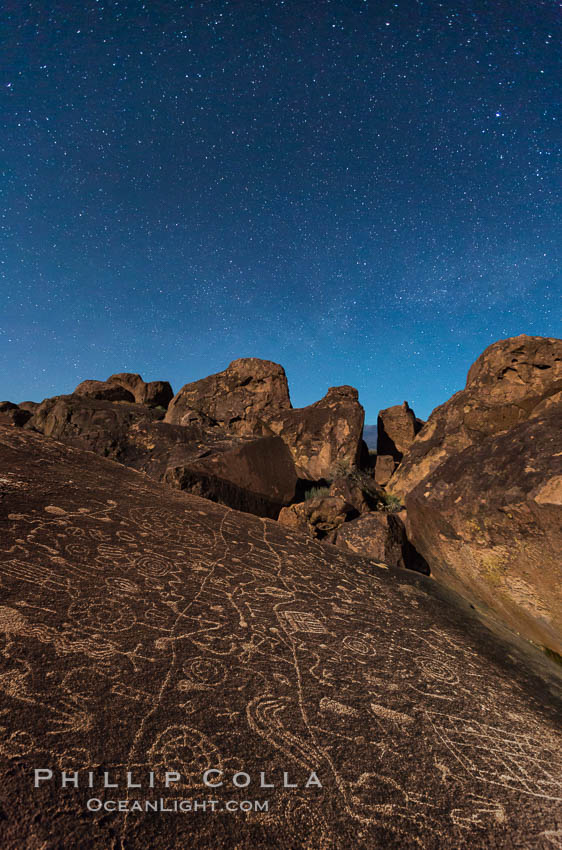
381,536
324,435
237,399
396,428
257,476
31,406
147,629
507,382
153,393
254,475
94,423
13,414
384,468
103,391
352,493
489,522
320,518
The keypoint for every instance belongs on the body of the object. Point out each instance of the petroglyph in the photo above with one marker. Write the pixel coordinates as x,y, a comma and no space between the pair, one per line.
155,631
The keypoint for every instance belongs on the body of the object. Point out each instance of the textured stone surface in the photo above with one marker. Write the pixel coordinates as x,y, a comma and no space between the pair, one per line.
381,536
153,393
508,381
103,391
257,476
145,629
489,522
384,468
396,429
353,494
13,414
320,518
238,398
325,435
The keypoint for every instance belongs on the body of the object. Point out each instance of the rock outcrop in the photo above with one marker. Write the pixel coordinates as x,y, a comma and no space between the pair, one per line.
13,414
144,629
257,476
385,466
397,427
153,393
103,391
324,436
382,536
320,518
489,522
239,399
507,382
130,387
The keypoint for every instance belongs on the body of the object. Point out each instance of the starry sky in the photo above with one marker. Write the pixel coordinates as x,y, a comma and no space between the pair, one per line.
363,191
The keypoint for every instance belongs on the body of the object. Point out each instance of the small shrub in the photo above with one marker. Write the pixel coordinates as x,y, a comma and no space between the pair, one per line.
390,503
316,493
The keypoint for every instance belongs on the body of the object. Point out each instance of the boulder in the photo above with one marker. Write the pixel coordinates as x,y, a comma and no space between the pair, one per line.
238,399
153,393
384,469
102,426
257,476
147,630
508,381
396,429
103,391
381,536
241,472
325,435
31,406
352,493
489,522
319,518
13,414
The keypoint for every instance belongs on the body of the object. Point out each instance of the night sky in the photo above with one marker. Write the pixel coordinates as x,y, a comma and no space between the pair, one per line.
362,191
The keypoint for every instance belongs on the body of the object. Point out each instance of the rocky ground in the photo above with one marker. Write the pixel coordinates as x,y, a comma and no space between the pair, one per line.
148,629
321,609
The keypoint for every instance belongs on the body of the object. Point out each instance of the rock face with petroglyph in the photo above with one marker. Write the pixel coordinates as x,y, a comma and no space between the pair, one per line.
510,379
489,521
145,629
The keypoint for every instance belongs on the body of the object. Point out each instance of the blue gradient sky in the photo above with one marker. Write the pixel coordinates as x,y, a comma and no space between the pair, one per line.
364,192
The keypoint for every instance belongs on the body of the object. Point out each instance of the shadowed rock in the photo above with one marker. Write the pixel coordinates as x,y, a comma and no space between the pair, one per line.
381,536
144,629
153,393
489,522
320,518
324,434
396,429
103,391
254,475
237,399
257,476
510,379
13,414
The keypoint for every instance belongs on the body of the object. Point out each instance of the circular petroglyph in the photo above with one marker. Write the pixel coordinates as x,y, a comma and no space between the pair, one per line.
152,566
437,670
122,586
186,750
359,644
204,671
107,615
